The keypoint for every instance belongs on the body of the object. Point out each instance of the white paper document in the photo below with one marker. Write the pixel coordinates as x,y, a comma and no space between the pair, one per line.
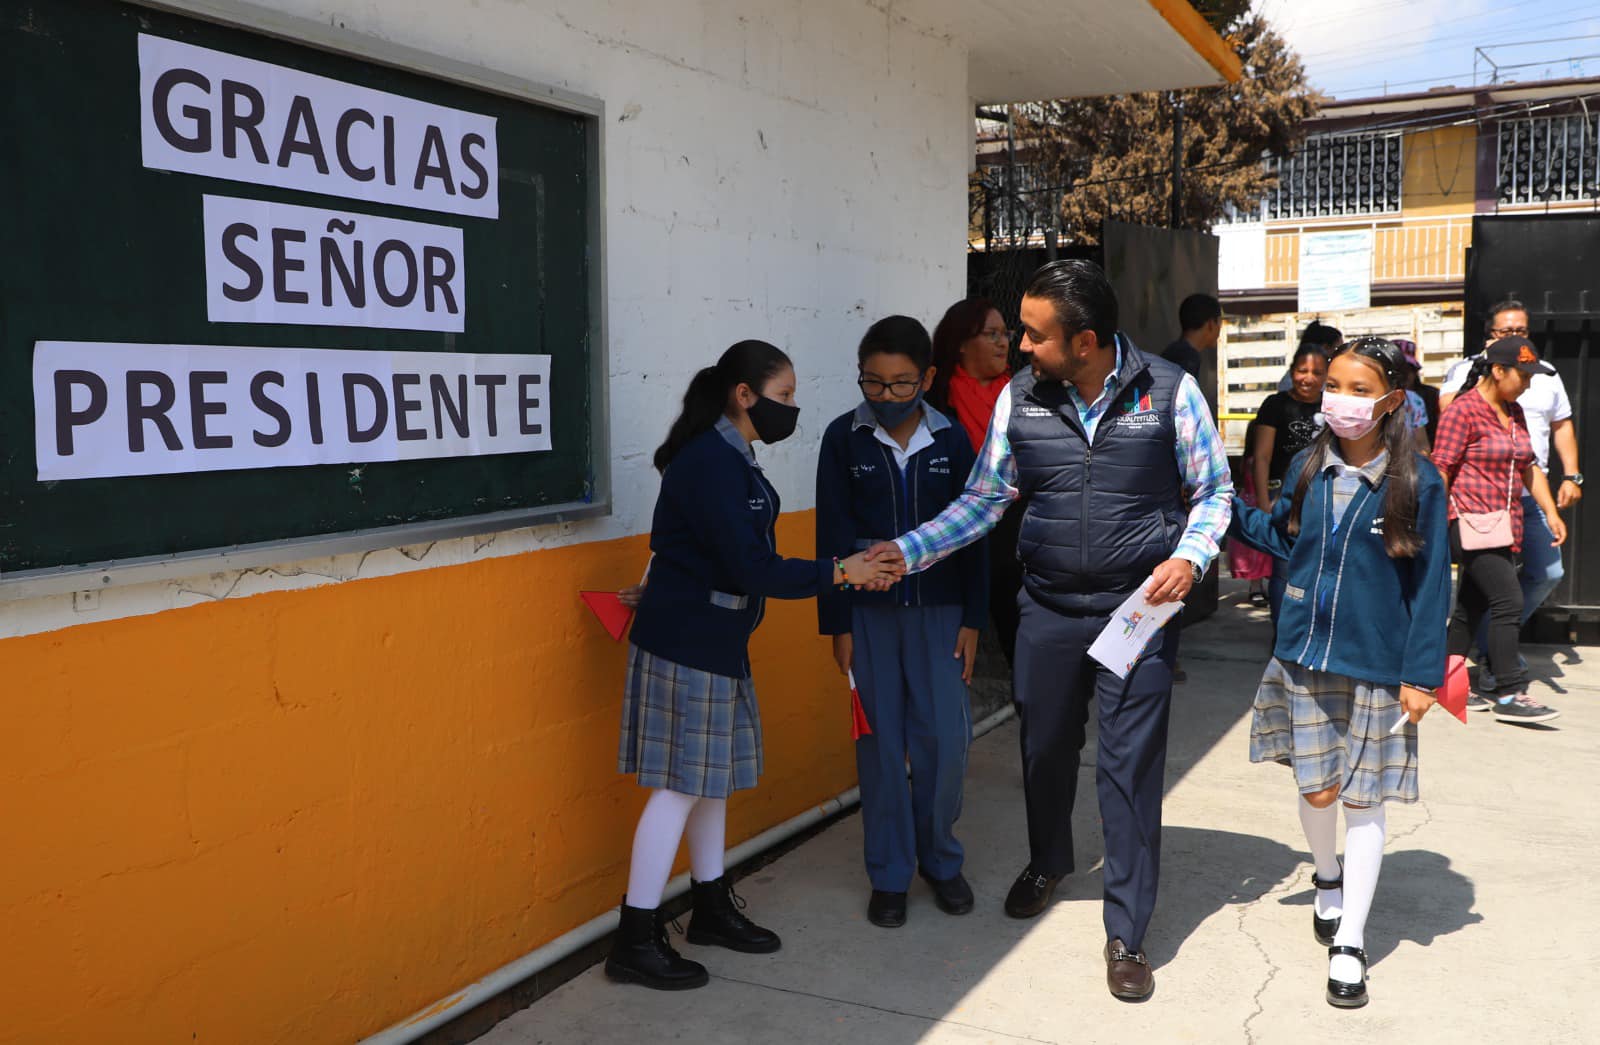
1132,627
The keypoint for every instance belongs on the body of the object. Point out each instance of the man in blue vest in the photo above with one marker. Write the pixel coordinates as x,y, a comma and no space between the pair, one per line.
1104,445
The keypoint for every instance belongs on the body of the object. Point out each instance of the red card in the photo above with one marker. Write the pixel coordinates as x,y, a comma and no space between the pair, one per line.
609,608
1452,696
859,726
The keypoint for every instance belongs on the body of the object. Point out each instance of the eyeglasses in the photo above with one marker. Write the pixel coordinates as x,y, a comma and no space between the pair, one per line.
999,337
1510,332
898,389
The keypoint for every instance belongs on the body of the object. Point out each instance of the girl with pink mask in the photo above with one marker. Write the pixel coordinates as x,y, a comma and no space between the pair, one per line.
1363,524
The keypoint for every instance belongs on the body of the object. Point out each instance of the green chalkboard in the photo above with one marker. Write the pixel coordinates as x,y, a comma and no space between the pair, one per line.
95,247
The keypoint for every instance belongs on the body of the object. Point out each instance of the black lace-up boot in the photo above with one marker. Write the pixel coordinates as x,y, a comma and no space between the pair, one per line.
640,953
717,921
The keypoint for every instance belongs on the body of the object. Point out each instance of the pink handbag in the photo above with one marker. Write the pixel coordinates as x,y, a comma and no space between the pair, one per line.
1481,530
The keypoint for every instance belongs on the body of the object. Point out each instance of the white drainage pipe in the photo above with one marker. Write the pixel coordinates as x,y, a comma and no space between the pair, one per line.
536,961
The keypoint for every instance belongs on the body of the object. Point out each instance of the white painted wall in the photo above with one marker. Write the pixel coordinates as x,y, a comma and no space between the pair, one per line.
779,170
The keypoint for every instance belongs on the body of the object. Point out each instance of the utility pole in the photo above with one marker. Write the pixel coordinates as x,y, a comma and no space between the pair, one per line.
1052,233
1011,175
1175,217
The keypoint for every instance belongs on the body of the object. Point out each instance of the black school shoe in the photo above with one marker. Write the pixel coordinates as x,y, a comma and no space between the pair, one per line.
887,910
953,895
1030,893
1325,928
1343,995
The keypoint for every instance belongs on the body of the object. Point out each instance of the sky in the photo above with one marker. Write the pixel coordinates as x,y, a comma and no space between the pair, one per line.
1357,48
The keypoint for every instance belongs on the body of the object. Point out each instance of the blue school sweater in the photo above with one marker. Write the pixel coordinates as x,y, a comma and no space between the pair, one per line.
1349,608
864,498
716,560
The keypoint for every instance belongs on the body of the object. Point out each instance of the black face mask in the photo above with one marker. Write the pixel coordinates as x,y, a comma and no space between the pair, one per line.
772,420
892,412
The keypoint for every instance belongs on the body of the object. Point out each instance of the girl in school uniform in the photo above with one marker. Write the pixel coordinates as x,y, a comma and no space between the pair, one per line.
886,467
690,728
1361,640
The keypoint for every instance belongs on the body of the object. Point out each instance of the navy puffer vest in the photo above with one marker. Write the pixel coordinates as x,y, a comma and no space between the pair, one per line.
1099,517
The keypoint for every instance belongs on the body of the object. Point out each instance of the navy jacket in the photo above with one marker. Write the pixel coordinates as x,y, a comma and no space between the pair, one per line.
716,559
862,498
1099,517
1349,608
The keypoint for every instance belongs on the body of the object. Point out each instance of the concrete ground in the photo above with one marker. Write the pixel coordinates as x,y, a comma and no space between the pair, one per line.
1486,926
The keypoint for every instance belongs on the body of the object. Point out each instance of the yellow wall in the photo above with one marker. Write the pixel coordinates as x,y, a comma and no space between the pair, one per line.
1440,167
301,816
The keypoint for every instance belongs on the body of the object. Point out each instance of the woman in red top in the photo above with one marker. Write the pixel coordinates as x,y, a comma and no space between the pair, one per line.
1486,456
972,360
972,364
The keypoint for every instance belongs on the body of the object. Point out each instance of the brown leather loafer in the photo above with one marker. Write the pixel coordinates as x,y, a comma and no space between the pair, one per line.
1128,973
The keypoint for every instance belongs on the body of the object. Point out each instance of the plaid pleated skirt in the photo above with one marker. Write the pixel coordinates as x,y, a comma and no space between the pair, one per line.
688,730
1333,730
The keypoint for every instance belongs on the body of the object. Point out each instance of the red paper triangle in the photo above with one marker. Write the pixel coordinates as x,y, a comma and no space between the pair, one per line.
609,608
1452,696
859,726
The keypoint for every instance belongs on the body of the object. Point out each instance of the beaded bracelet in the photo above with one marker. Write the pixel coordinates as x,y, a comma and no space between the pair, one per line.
838,566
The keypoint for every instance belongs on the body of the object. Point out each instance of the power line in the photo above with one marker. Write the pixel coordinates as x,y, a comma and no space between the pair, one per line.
1441,78
1547,20
1354,11
1414,39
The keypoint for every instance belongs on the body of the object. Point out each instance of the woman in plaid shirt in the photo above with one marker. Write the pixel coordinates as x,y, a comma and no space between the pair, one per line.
1486,457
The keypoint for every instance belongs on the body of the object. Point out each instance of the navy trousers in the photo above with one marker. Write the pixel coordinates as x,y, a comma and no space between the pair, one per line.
911,690
1055,683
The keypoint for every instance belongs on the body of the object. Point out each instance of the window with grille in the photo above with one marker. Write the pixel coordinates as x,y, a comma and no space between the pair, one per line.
1019,200
1335,174
1547,159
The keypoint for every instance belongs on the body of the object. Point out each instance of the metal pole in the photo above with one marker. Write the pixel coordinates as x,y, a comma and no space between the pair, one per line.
1175,217
1011,176
1053,232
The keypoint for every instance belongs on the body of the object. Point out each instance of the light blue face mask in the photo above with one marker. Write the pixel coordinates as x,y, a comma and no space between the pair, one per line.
893,412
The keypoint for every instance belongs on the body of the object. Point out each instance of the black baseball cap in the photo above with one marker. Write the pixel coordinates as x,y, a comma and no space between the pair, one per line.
1517,352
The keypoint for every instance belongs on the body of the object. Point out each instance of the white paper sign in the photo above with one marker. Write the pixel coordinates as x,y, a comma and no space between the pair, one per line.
217,114
1241,256
104,409
1123,641
1335,270
279,263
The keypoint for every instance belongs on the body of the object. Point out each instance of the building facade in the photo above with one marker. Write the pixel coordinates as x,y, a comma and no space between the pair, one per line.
1405,175
296,802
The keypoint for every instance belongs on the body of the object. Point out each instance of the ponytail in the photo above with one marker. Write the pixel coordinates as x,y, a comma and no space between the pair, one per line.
751,363
1481,368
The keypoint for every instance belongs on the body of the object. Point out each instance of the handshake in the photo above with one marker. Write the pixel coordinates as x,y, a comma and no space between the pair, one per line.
876,569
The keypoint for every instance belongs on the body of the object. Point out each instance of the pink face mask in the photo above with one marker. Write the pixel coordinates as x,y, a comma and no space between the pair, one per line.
1350,417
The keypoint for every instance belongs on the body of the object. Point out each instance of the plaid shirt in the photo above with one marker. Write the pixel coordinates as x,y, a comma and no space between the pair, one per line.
1482,460
992,486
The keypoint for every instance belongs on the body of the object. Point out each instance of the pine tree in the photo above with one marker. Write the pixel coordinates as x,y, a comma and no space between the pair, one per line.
1112,156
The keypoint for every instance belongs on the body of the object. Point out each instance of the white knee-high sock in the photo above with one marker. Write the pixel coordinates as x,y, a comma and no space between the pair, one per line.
1322,835
707,831
655,844
1364,834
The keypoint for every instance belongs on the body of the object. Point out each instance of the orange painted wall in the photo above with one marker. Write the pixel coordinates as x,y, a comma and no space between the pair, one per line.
299,817
1440,172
